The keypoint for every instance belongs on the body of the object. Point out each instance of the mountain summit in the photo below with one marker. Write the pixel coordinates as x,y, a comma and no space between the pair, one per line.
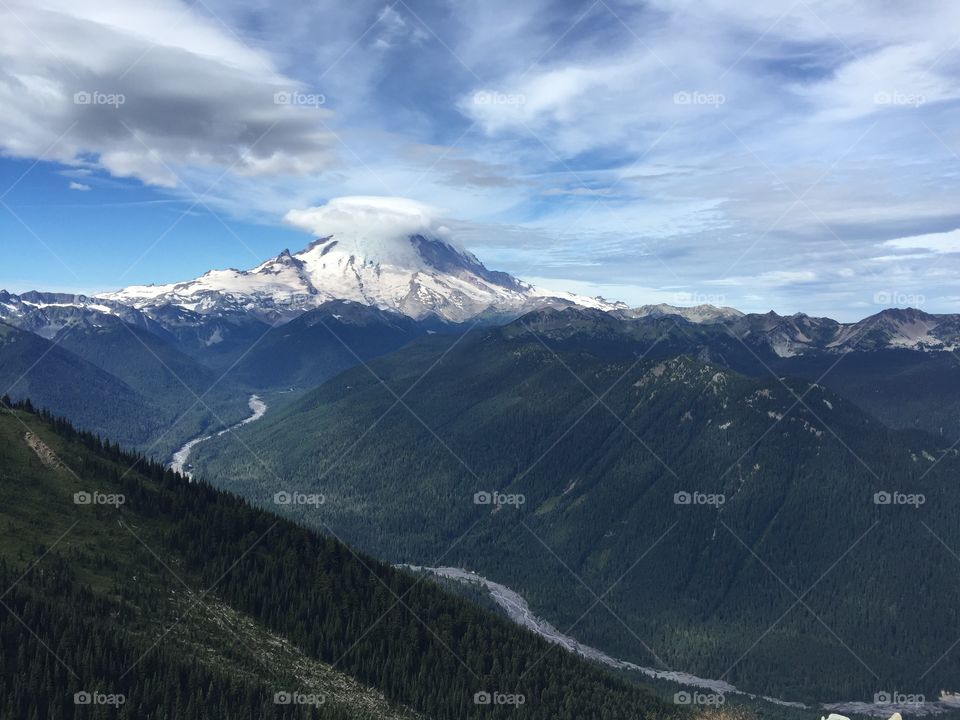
383,252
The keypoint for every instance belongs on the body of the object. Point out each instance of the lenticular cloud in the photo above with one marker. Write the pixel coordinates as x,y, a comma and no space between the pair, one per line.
378,220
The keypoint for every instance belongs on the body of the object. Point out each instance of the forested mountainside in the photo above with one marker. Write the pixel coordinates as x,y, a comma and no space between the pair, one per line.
759,529
131,592
899,365
152,385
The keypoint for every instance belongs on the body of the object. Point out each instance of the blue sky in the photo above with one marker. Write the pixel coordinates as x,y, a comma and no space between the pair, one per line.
799,156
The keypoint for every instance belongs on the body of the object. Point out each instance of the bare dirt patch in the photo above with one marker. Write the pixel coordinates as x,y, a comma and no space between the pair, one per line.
46,455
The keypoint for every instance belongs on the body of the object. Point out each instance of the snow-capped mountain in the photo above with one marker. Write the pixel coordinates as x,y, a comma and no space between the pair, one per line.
46,313
416,275
396,256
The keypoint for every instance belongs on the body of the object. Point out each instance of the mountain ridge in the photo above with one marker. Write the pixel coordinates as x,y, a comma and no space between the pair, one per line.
404,264
784,335
279,290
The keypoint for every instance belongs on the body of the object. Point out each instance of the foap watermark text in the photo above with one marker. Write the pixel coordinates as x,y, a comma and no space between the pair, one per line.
685,697
498,498
498,698
698,498
293,697
99,498
287,497
896,497
94,697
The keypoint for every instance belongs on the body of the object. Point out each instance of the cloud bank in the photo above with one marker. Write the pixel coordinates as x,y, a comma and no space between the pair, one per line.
148,90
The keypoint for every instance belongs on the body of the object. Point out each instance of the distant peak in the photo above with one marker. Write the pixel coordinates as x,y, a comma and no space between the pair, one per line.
692,313
904,312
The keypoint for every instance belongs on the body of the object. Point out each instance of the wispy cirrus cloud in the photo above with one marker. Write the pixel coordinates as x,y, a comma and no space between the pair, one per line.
944,243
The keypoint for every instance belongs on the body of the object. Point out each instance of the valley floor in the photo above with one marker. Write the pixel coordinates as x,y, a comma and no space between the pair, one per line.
518,610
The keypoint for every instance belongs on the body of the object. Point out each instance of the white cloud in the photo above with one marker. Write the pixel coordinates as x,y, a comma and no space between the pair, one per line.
938,243
146,89
769,279
559,95
898,77
376,219
81,187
